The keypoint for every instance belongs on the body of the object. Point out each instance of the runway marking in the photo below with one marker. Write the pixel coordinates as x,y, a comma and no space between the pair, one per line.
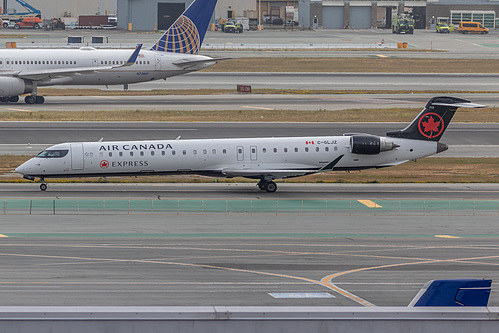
381,56
446,236
2,235
108,97
370,204
23,110
257,107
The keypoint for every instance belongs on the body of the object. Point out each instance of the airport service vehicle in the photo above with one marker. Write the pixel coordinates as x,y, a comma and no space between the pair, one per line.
442,28
175,53
29,22
403,23
472,27
263,159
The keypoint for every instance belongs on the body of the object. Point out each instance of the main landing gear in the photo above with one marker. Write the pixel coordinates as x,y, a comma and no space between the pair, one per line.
267,185
34,99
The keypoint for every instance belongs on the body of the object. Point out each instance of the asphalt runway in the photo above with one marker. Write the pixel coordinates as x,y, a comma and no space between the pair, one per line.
120,260
28,138
321,81
249,191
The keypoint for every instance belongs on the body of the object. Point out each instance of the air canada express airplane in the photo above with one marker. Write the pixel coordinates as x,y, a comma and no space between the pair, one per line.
264,159
175,53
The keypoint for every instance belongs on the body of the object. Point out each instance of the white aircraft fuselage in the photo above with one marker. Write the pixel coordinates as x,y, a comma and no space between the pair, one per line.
150,65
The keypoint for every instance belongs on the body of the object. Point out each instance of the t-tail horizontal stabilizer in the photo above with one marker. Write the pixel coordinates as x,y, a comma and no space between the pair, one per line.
459,292
431,123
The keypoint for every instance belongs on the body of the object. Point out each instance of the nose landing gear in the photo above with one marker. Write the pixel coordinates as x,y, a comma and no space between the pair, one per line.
43,185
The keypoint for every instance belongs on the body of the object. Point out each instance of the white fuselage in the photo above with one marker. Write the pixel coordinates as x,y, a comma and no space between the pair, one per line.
215,156
150,65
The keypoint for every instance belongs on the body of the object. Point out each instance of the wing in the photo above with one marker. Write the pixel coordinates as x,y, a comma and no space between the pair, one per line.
186,64
278,173
44,73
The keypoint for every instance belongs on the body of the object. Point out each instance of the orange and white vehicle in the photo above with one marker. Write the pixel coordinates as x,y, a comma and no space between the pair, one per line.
29,22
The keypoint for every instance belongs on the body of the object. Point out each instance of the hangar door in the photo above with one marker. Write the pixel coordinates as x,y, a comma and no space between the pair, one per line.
332,17
168,13
360,17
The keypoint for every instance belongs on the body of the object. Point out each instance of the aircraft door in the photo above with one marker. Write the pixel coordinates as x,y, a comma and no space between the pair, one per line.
157,62
240,153
77,156
253,152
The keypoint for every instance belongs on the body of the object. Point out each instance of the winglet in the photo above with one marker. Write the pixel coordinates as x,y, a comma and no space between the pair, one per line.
331,165
133,57
458,292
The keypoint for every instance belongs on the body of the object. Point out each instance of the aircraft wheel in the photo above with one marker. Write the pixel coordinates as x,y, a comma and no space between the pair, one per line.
13,99
39,100
30,99
36,26
271,187
17,26
4,100
43,187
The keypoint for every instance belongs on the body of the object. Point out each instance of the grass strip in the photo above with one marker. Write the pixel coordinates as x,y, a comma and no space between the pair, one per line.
357,65
349,115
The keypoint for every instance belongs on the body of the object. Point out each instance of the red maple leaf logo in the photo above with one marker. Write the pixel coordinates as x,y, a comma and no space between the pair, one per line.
104,164
431,125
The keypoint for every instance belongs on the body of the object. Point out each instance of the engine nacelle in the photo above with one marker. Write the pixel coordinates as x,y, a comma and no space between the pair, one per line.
370,144
13,86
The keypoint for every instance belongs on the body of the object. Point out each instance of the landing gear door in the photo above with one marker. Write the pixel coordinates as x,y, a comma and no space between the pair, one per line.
77,156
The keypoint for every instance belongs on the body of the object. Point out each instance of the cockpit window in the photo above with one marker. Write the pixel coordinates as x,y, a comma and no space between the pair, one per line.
53,153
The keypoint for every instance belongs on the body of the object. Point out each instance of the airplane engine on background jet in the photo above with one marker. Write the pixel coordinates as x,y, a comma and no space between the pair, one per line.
13,86
370,144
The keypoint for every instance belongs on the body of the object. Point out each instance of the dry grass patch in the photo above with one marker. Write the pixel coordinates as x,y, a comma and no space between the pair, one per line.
369,65
350,115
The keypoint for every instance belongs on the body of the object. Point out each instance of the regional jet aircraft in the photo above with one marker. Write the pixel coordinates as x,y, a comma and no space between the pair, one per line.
264,159
175,53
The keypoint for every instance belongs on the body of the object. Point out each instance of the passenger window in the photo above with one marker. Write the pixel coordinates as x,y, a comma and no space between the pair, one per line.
163,152
173,152
214,151
285,150
152,152
327,148
275,150
240,151
110,154
296,149
121,153
253,150
224,151
335,148
205,152
131,153
184,152
141,153
194,152
306,149
317,149
264,150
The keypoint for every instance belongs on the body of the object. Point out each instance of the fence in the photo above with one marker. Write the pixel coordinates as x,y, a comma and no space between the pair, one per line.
251,207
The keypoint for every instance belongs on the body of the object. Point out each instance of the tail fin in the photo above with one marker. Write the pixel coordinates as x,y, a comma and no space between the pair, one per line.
186,34
431,123
459,292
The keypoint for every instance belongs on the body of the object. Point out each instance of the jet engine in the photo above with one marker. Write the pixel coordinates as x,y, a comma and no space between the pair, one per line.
13,86
370,144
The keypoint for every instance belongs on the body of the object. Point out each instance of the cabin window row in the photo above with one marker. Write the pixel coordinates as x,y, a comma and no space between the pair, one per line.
163,153
296,150
39,62
121,62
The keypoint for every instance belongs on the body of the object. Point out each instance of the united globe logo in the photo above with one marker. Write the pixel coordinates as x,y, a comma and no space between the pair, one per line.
181,37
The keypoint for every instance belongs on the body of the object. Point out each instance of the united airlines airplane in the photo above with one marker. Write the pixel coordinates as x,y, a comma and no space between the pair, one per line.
264,159
175,53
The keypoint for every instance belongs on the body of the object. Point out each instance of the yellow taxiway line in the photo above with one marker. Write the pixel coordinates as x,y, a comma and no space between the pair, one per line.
370,204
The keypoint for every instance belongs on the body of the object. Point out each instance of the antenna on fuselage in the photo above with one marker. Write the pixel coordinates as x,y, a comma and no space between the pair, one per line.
100,140
178,138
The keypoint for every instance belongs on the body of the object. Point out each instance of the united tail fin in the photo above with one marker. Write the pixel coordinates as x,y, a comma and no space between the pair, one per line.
459,292
186,34
431,123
